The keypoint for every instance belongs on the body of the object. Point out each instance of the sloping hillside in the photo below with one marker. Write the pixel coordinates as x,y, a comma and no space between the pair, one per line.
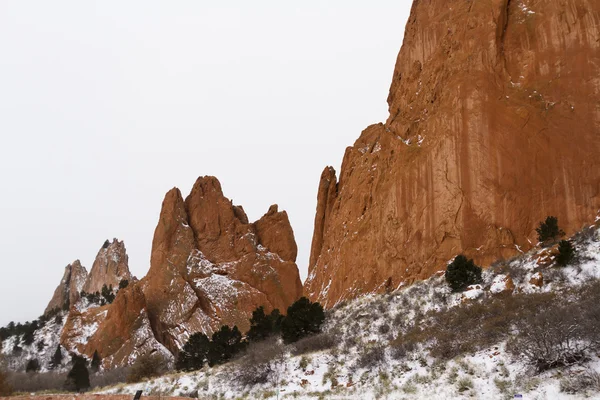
530,328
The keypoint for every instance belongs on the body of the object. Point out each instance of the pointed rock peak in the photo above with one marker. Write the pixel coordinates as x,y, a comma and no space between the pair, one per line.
273,209
67,291
329,175
275,233
110,267
206,185
240,214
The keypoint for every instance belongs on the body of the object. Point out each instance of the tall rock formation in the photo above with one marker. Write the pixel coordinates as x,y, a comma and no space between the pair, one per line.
494,125
67,292
211,267
109,268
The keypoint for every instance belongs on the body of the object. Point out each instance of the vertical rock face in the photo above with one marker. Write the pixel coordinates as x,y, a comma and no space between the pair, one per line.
110,267
67,292
494,125
211,267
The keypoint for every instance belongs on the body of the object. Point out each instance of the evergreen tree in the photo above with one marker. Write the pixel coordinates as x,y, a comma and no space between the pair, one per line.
28,337
461,273
549,230
58,319
78,378
123,284
108,294
224,345
67,305
194,353
33,365
56,359
303,318
262,325
566,253
96,362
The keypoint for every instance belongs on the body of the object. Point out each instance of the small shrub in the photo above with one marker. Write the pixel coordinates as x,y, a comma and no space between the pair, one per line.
29,383
461,273
552,337
464,384
313,343
260,363
109,377
581,383
147,366
566,253
303,364
384,328
503,386
371,357
5,387
548,230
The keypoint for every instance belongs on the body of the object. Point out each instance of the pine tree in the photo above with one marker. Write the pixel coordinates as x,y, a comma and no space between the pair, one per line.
56,359
462,272
262,325
78,378
566,253
108,294
33,365
303,318
549,230
123,284
224,345
194,353
96,362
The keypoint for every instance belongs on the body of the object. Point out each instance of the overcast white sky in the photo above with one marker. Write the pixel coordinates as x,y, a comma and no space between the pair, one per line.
106,105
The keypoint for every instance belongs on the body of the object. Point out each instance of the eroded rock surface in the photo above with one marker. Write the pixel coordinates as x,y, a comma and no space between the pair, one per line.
494,125
109,268
211,267
68,291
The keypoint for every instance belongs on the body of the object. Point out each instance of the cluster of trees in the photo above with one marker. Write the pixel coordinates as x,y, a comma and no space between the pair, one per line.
27,330
303,318
106,295
549,233
78,378
463,272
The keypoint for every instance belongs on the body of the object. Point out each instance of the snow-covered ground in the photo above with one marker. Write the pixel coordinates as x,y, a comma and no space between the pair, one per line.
361,362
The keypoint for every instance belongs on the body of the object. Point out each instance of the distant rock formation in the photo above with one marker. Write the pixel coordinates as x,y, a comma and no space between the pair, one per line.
494,124
67,292
109,268
211,267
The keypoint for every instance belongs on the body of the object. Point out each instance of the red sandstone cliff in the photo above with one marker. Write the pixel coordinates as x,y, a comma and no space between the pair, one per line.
211,267
67,291
109,268
494,125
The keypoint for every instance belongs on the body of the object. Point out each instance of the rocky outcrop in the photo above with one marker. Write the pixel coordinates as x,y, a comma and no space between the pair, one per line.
109,268
493,126
67,292
124,331
210,267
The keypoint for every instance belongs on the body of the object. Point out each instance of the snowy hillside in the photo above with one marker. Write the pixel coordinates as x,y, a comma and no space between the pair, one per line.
425,342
